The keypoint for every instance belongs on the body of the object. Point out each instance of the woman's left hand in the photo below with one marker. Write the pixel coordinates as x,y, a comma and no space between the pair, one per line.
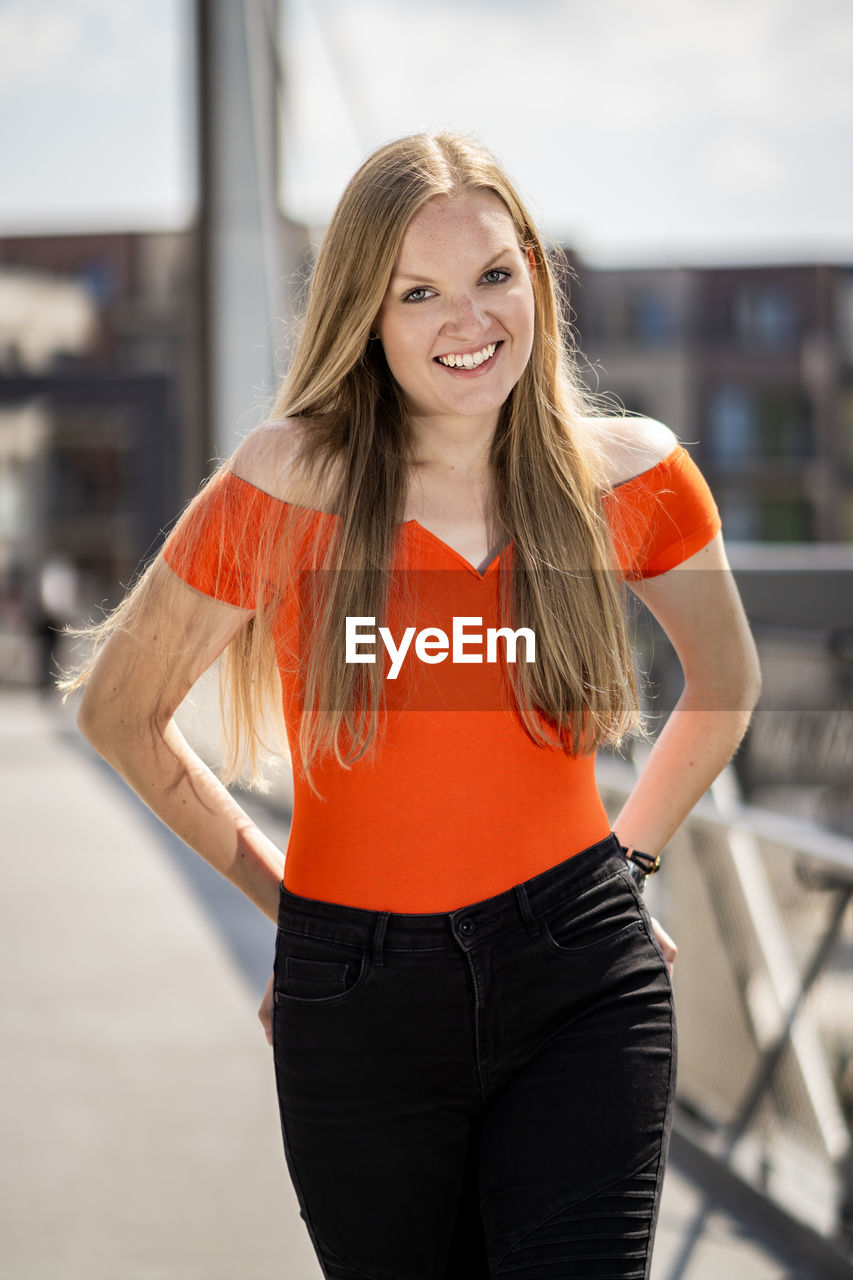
666,944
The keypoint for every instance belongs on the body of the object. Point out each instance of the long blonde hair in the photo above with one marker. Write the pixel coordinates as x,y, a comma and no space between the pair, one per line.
547,488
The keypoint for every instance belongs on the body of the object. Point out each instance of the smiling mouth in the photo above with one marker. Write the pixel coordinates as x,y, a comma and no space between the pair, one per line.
471,359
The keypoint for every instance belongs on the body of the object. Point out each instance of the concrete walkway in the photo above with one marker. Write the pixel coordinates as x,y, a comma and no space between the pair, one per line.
138,1119
139,1135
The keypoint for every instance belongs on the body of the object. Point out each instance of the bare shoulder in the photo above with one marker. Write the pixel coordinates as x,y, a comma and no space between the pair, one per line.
628,446
278,458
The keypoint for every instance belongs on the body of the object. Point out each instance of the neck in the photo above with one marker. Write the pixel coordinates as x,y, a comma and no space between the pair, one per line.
457,447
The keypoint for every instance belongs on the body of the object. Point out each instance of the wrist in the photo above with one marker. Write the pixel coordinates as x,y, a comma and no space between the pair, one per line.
640,864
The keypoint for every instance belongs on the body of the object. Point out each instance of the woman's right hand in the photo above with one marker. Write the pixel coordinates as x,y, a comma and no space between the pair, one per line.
265,1012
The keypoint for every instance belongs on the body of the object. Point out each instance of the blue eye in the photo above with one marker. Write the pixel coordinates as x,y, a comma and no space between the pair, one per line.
497,275
417,295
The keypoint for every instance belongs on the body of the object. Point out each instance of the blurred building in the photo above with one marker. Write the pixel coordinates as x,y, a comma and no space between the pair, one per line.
752,364
753,368
100,437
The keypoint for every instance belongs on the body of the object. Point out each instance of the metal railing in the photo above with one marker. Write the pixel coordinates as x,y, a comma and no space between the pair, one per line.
759,904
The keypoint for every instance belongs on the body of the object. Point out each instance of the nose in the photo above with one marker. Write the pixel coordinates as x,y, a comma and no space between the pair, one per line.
465,315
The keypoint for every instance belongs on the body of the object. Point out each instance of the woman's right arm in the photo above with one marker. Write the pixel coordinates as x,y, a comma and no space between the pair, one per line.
140,678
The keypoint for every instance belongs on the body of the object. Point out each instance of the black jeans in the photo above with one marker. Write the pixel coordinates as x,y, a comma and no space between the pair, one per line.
481,1093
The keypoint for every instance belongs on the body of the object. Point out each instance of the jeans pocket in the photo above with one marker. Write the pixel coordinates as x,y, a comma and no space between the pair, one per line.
645,915
591,919
316,970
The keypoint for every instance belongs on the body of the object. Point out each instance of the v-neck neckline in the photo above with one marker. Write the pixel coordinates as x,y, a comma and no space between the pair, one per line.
458,554
620,484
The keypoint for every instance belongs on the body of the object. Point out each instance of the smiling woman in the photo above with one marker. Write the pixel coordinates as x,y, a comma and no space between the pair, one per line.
470,1008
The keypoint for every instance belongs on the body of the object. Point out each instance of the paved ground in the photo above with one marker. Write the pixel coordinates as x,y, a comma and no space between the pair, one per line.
138,1126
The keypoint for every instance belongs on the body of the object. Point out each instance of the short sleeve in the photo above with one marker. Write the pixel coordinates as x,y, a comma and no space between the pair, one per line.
661,517
215,545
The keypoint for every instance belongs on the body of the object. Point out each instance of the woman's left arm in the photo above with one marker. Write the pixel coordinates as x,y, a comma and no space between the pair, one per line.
698,605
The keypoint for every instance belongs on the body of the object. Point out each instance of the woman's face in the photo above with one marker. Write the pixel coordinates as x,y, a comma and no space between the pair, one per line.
456,323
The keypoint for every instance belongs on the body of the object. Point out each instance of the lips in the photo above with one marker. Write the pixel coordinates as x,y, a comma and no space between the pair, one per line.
468,359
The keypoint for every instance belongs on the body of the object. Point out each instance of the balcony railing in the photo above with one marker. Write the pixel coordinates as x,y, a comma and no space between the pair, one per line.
759,905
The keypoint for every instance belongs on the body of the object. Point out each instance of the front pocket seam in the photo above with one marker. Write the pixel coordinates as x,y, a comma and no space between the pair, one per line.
326,971
331,939
555,946
284,997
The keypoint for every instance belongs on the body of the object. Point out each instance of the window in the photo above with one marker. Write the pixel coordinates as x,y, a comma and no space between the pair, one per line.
785,520
748,519
784,429
765,316
653,321
746,424
732,424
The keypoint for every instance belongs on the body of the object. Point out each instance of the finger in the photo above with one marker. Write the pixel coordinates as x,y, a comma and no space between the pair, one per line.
265,1011
667,945
265,1016
666,942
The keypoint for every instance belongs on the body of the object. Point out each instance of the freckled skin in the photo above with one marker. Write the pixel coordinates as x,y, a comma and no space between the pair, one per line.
475,287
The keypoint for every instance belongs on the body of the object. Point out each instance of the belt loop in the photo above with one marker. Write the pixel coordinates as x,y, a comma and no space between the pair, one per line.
531,924
378,937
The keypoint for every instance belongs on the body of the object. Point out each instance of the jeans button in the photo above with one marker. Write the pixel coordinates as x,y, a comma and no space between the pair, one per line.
466,928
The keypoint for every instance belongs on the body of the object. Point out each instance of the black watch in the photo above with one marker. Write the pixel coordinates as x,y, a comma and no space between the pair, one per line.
640,865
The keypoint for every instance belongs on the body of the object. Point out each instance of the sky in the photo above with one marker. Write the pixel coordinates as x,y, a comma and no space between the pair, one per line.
640,131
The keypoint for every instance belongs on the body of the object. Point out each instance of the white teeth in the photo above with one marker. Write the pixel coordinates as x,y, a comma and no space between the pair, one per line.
471,360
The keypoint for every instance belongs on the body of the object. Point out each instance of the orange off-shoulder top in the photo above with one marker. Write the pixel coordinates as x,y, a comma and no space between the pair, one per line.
460,803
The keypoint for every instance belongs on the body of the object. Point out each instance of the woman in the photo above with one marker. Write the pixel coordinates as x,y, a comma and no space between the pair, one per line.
471,1010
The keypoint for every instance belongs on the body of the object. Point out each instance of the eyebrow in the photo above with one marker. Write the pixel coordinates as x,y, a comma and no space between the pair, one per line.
423,279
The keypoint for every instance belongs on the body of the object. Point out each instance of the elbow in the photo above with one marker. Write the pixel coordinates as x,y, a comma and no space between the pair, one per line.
732,684
751,675
99,721
749,691
744,688
756,685
115,725
741,666
88,720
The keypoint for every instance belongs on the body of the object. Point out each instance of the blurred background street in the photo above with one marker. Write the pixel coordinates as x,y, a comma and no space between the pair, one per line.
170,170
